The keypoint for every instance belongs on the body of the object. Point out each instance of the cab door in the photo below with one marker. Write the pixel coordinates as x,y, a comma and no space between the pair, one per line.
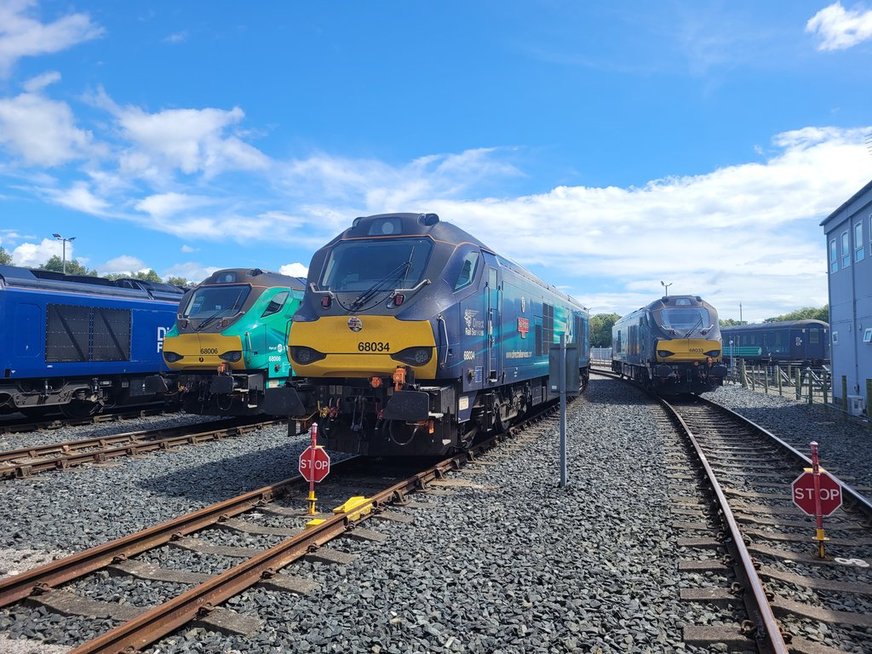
493,325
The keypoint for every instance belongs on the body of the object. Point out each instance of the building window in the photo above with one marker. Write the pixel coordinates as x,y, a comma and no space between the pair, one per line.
834,257
846,250
858,242
867,335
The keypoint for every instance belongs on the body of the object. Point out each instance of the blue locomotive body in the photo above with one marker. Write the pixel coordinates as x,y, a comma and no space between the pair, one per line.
671,346
79,343
414,337
800,342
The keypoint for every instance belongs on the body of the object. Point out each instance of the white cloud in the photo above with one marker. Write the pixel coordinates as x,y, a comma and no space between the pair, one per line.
124,264
191,141
38,83
167,205
294,270
42,132
21,35
840,29
80,198
32,255
190,270
176,37
187,249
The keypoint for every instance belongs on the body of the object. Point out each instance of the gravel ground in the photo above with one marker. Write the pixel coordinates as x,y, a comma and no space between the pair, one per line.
512,564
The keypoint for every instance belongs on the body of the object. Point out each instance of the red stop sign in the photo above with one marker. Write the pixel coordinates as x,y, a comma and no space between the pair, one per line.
804,497
314,463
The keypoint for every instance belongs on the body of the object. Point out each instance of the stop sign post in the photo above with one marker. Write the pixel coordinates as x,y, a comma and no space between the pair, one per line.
823,500
817,494
314,465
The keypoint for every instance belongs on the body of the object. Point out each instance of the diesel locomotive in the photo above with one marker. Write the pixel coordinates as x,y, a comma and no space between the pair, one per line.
797,342
226,350
76,344
672,345
413,338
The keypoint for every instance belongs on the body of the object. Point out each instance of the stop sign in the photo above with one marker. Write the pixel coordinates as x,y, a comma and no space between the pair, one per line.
804,497
314,463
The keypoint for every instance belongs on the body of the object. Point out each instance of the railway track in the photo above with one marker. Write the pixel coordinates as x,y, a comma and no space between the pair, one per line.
19,425
27,461
274,517
749,550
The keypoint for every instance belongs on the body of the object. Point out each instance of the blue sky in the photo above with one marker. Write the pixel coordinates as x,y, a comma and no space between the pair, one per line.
606,146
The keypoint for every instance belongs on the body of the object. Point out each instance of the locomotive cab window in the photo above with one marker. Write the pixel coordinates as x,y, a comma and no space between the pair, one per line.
684,319
467,270
216,301
275,305
361,265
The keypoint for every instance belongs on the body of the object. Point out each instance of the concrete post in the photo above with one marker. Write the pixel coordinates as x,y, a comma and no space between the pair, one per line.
844,393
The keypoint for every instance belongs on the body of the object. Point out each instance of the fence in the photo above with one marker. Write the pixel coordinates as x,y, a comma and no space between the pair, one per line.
803,384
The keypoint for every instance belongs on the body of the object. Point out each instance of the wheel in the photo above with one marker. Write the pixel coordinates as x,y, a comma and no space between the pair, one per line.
80,409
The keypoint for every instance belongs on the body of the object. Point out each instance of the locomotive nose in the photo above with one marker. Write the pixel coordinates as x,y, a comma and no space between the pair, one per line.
343,346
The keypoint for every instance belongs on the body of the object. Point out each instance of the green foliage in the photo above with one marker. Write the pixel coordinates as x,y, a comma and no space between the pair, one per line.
806,313
179,281
729,322
73,267
5,258
150,276
601,329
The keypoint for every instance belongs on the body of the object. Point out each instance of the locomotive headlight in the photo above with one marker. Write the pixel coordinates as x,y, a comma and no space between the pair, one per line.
172,357
414,356
305,355
664,353
713,353
233,356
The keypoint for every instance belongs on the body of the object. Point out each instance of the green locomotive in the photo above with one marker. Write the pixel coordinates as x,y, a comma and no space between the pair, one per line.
228,348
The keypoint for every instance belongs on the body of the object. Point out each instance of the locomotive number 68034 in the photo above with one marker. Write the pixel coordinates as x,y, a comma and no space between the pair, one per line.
373,346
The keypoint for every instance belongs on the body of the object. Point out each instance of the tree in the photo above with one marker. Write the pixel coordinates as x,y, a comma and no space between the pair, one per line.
806,313
73,267
601,329
179,281
5,258
729,322
150,276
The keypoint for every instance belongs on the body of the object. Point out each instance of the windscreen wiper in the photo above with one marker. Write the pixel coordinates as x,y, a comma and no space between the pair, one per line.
369,293
208,320
698,322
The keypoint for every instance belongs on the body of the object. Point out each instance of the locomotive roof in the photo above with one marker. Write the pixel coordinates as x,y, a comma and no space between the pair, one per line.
429,224
776,324
254,276
49,280
409,224
676,301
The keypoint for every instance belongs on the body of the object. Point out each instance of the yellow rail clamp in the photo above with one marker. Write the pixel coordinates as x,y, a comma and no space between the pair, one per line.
355,507
314,522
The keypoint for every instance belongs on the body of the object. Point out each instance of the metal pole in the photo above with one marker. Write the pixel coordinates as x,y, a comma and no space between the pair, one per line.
820,536
561,386
64,255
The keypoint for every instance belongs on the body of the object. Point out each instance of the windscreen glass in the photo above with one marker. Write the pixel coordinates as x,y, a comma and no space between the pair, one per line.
685,320
216,301
356,266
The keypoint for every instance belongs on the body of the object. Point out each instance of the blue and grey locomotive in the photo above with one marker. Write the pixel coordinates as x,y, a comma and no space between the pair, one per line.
414,337
800,342
672,345
77,344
